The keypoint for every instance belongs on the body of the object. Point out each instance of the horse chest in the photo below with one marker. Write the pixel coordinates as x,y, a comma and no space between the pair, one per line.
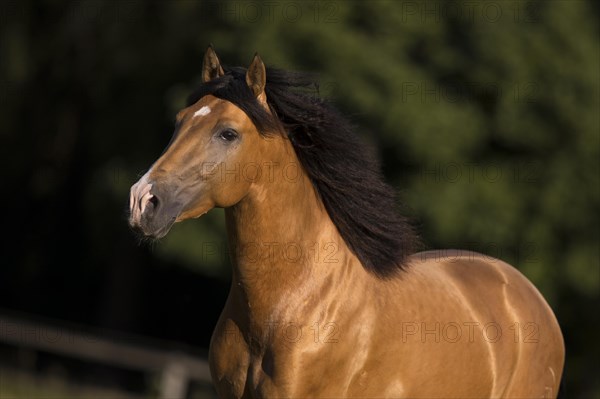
279,370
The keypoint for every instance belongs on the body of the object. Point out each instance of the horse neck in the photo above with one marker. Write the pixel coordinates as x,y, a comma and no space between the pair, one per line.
284,245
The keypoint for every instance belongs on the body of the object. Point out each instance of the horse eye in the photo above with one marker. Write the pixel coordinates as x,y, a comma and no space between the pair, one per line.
228,135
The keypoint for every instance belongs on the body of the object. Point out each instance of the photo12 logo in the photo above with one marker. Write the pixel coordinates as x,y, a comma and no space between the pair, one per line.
250,171
470,11
468,331
295,253
452,91
264,12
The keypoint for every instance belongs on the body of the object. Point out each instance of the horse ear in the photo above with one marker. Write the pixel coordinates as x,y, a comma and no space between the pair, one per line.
256,76
211,68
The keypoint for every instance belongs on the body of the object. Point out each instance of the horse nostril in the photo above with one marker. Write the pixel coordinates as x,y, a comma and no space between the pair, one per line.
146,200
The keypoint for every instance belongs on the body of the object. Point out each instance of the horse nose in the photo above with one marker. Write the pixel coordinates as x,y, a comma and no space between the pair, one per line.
141,201
153,207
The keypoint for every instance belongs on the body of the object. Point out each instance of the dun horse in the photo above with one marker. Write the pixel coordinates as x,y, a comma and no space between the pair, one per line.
328,297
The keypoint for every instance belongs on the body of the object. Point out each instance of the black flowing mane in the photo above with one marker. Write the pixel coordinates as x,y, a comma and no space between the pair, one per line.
343,171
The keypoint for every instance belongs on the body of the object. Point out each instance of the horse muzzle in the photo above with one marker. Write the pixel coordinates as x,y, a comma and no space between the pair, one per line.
152,208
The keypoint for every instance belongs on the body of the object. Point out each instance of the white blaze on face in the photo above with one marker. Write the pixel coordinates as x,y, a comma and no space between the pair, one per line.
202,111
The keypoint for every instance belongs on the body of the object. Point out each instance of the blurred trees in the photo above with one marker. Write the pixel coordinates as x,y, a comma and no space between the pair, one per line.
485,115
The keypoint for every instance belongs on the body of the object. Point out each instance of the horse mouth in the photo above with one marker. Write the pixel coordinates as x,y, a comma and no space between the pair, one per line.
150,231
155,222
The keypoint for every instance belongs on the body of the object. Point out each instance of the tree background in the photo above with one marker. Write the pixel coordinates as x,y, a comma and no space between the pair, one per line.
485,116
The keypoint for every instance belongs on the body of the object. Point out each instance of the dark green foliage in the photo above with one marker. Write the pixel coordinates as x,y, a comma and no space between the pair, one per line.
485,115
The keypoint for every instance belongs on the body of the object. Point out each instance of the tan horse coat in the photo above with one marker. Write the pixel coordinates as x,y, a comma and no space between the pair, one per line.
304,319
